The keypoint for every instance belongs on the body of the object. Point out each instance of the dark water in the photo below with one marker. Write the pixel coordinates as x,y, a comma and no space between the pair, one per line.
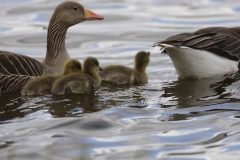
168,118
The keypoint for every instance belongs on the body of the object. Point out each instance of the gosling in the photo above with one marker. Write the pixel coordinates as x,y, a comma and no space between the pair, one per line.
79,83
119,74
42,85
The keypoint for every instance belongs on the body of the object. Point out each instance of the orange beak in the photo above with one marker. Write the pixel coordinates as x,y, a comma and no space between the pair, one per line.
89,15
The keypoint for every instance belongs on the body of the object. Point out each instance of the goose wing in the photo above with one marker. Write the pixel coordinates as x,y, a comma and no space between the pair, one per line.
12,82
219,40
16,70
11,63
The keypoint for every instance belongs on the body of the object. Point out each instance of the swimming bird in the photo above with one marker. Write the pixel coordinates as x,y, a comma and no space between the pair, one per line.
204,53
14,65
42,85
120,74
79,82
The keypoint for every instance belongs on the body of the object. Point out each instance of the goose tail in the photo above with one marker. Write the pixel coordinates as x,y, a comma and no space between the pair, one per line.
163,47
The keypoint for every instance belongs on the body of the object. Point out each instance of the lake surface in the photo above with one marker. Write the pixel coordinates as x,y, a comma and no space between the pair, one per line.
168,118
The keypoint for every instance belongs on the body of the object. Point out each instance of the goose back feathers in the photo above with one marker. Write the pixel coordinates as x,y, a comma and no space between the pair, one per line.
11,63
9,83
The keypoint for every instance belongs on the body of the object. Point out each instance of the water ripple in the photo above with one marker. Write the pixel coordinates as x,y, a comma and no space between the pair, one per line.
168,118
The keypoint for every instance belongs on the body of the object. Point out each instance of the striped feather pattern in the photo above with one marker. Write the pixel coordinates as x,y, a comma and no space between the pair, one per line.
16,70
55,31
20,65
219,40
12,82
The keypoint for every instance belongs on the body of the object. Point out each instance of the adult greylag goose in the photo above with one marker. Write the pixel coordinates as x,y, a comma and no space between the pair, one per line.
42,85
119,74
79,82
16,66
205,52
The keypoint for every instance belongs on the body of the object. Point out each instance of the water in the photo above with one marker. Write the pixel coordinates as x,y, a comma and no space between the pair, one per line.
168,118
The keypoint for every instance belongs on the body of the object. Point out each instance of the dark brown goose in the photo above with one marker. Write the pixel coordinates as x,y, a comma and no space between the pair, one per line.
42,85
15,66
120,74
79,82
204,53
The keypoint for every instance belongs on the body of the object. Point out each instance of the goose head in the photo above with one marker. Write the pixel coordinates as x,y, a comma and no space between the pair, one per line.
72,66
141,60
65,15
91,65
70,13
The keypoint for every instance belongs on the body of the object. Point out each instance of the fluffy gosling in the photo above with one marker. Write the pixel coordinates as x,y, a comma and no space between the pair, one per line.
119,74
79,83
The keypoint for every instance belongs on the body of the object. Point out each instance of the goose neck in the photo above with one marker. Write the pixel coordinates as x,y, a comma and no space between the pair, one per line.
56,39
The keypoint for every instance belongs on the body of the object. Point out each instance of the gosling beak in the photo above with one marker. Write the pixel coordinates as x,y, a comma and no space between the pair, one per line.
89,15
100,69
148,53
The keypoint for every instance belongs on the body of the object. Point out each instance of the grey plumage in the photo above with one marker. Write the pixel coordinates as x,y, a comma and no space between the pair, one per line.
219,40
11,63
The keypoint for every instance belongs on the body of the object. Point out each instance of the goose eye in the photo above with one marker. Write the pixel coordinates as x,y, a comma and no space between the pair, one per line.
75,8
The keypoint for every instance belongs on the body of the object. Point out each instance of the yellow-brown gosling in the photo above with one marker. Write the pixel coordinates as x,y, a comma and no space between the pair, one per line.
119,74
79,82
42,85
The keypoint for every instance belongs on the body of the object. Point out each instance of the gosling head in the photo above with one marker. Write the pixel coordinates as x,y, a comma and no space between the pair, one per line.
91,65
72,66
70,13
141,60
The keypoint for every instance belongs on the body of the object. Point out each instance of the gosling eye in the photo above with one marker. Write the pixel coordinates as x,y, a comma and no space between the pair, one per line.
75,8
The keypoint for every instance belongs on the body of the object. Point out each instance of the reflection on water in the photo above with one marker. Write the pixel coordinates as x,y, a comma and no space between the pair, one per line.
168,118
203,92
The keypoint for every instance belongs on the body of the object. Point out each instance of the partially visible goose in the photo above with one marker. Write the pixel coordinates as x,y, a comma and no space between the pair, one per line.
120,74
42,85
79,83
65,15
204,53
